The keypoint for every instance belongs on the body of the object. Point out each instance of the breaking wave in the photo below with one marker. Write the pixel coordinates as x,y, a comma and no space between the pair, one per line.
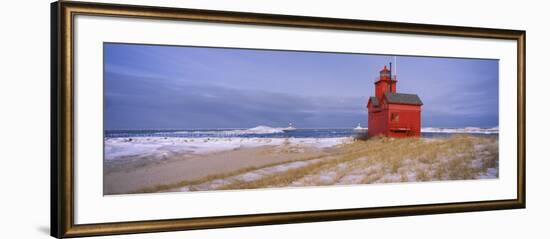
235,132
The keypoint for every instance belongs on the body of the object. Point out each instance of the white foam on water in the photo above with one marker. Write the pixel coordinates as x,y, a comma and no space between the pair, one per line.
261,129
115,148
466,130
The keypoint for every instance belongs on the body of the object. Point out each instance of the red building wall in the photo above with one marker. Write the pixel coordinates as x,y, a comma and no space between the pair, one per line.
405,121
395,120
376,125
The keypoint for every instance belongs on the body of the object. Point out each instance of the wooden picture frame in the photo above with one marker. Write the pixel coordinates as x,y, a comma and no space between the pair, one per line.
63,120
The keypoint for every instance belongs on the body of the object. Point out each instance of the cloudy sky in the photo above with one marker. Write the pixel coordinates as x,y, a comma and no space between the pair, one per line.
172,87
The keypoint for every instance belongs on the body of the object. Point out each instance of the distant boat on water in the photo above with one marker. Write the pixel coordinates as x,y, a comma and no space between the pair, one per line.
360,129
289,128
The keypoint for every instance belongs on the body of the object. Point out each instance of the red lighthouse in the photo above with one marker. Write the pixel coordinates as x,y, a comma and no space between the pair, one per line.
390,113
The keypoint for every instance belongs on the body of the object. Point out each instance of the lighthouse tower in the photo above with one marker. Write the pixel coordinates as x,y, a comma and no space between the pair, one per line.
393,114
385,83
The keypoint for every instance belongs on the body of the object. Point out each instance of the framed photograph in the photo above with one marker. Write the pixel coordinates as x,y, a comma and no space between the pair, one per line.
170,119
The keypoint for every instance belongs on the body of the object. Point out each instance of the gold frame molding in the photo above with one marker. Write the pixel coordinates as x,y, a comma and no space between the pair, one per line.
62,118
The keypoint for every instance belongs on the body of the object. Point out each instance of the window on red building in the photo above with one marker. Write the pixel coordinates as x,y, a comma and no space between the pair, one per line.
394,117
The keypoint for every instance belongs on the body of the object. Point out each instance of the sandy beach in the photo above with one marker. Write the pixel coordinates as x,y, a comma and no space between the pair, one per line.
139,173
243,163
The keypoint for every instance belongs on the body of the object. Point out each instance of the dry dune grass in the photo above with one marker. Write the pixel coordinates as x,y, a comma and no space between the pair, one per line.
378,160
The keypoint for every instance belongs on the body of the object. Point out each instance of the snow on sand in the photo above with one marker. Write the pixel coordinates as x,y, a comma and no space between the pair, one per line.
117,148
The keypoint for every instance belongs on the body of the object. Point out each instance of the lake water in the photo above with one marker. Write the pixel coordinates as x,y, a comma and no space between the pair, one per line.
270,132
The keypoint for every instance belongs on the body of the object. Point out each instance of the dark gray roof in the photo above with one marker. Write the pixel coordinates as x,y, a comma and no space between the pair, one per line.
374,101
400,98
